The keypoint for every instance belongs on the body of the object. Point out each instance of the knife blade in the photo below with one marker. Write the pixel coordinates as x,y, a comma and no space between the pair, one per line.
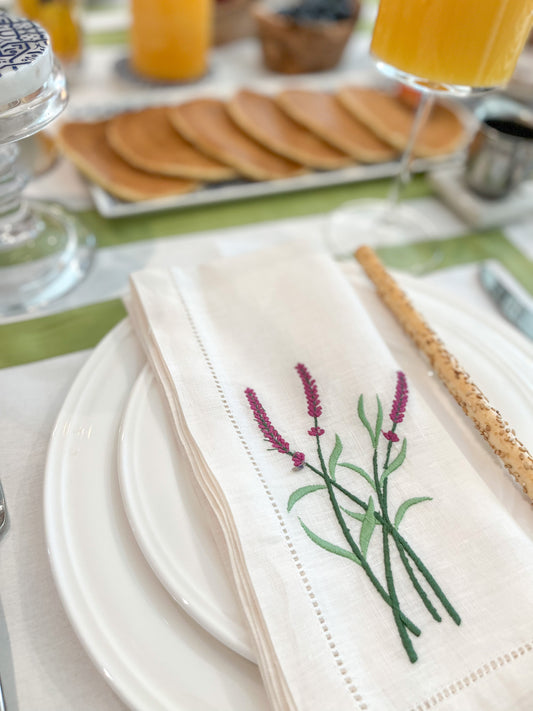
7,679
512,300
8,691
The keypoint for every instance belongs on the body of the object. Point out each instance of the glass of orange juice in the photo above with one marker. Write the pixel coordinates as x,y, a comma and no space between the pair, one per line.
451,48
170,39
60,18
459,46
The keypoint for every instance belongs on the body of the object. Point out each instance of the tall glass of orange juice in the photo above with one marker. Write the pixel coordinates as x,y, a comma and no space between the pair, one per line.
440,47
60,18
170,39
462,45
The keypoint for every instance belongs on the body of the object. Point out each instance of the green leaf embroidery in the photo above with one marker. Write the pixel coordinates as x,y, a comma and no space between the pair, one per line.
354,514
407,505
327,546
358,516
362,417
396,462
303,491
360,471
374,433
379,423
334,456
367,527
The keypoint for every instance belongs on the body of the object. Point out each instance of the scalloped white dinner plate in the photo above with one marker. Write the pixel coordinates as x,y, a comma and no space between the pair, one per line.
166,515
151,652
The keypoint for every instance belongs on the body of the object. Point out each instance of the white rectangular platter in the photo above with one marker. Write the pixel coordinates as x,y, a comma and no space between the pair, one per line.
109,206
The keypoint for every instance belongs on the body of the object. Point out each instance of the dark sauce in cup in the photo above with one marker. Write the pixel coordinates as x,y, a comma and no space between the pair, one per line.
511,127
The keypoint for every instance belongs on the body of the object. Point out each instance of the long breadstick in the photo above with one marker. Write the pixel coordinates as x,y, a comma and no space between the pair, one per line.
490,423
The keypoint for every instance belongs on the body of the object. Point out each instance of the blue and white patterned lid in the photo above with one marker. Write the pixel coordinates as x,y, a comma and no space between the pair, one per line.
26,57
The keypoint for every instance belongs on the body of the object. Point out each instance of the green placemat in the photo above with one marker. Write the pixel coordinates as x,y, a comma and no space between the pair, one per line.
107,38
65,332
57,334
242,212
464,249
84,327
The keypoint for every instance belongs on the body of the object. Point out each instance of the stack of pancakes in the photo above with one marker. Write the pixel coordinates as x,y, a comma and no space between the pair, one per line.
171,150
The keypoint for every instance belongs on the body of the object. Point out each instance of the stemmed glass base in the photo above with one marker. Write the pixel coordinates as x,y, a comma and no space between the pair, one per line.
44,251
387,222
421,84
374,222
43,257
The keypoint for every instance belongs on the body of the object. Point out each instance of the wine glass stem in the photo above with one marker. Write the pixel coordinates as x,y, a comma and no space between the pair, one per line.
404,173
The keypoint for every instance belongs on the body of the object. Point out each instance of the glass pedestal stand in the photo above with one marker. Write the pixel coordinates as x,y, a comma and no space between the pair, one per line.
44,252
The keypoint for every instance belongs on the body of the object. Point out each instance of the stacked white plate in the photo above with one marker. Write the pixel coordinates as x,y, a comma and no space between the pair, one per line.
135,564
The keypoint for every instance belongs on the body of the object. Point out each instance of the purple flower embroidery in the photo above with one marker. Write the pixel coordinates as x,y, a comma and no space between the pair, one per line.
400,399
314,408
266,427
315,431
391,436
298,459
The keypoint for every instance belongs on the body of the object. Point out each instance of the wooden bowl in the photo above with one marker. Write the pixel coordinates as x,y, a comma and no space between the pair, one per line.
233,20
291,47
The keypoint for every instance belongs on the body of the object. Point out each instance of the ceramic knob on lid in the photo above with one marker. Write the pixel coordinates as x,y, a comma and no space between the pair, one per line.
26,58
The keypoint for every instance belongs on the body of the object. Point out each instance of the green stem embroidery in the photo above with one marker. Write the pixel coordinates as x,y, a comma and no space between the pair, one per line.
389,599
428,576
401,544
420,590
381,491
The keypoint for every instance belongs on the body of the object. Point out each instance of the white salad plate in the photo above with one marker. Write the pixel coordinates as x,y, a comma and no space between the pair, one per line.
166,517
119,575
166,514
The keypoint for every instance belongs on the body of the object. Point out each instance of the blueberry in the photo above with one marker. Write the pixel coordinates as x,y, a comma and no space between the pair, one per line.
319,10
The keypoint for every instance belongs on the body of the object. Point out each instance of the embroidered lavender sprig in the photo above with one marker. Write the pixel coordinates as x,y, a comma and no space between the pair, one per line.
399,405
267,428
314,408
298,459
269,431
400,398
380,486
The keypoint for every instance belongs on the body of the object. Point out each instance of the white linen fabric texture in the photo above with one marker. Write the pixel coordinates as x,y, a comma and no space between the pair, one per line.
325,637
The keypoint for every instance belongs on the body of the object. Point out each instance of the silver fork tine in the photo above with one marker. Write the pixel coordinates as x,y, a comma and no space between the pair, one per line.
3,525
3,513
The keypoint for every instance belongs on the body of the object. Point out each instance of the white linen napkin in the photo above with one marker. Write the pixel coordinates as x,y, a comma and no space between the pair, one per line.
375,568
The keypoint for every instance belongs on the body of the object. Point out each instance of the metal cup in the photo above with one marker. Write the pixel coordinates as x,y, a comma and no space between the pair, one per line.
500,156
